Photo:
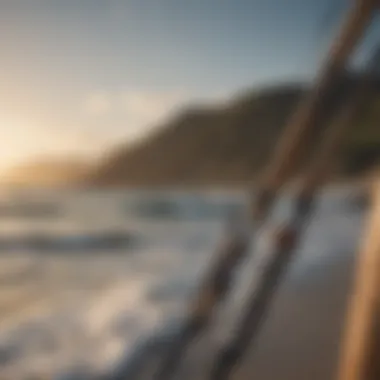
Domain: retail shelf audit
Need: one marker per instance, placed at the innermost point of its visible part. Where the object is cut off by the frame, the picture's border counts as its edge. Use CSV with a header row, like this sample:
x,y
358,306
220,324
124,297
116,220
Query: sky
x,y
79,76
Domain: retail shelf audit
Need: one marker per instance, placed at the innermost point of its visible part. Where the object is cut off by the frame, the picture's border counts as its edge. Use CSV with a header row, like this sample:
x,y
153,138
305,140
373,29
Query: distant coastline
x,y
216,147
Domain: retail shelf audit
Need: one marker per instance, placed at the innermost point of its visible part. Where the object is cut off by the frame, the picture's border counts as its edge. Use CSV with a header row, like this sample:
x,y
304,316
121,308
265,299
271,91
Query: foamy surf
x,y
97,314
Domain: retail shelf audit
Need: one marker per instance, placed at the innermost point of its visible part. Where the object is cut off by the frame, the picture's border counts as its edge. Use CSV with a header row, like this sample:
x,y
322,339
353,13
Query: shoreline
x,y
198,185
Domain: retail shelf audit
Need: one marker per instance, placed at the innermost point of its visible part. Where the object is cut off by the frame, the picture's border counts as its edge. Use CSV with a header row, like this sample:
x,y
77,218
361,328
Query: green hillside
x,y
231,144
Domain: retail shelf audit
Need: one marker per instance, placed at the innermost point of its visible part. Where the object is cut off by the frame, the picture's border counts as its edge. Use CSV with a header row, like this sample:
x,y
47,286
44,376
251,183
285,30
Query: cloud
x,y
125,116
148,109
98,103
130,114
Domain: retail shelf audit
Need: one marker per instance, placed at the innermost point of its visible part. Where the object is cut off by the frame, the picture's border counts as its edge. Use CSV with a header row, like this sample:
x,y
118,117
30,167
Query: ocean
x,y
83,313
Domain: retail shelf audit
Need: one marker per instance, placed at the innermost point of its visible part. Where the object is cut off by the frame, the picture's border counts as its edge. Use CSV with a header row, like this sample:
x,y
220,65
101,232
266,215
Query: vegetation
x,y
232,144
217,146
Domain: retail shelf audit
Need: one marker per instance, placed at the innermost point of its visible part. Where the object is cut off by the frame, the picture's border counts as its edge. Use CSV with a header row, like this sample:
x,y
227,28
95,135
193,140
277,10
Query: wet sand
x,y
300,339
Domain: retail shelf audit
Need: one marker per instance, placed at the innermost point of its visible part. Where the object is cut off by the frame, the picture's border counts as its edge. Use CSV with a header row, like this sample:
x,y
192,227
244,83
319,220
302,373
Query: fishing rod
x,y
216,284
286,238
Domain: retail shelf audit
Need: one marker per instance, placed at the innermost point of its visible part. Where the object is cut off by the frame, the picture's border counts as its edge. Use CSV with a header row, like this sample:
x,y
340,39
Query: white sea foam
x,y
61,311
